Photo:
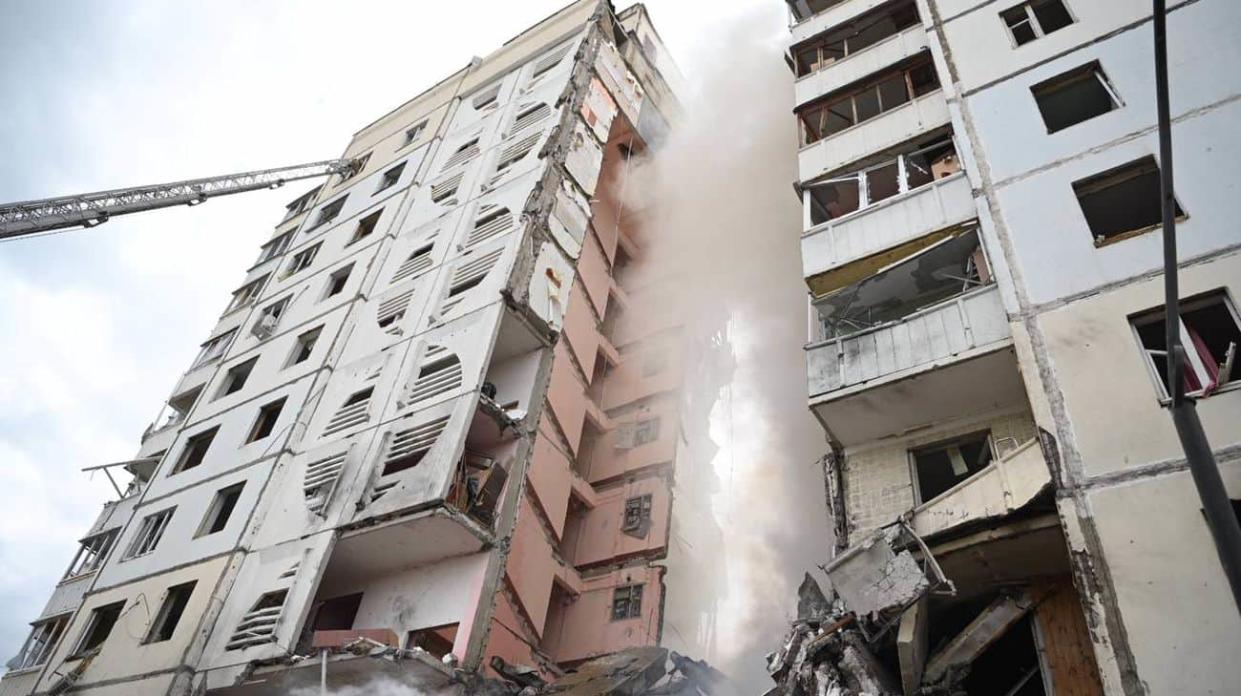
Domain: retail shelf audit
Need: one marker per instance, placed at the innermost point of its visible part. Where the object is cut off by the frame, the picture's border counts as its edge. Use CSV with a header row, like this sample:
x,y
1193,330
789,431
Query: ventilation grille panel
x,y
437,376
416,440
348,416
319,481
492,223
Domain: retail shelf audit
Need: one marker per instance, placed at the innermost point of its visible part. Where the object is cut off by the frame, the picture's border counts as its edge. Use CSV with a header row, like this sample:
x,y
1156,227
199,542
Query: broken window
x,y
236,377
1031,20
301,204
847,39
149,533
1210,333
1123,201
258,625
391,311
365,227
637,515
412,134
1075,96
274,248
329,212
436,641
170,611
836,113
304,346
336,282
831,198
44,635
943,465
937,272
246,294
91,554
195,449
627,602
266,420
1010,665
222,506
337,613
390,178
214,349
98,627
646,431
302,260
269,318
356,169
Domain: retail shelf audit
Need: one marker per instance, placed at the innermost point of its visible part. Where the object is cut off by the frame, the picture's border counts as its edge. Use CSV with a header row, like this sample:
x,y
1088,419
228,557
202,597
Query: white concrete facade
x,y
1129,517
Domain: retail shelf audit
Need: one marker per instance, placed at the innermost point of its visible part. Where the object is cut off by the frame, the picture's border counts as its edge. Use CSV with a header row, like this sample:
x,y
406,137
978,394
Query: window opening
x,y
337,281
831,198
92,552
329,212
214,349
170,612
1031,20
236,377
44,636
1210,331
1075,96
269,414
302,260
98,628
149,533
881,94
1122,202
637,515
365,227
627,602
412,134
195,450
222,506
305,346
391,177
944,465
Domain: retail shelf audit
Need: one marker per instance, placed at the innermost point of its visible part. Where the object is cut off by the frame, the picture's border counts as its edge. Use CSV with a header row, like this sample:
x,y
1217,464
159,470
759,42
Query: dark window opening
x,y
302,260
98,628
169,615
436,641
195,450
637,515
329,212
270,600
365,227
942,466
1122,201
221,509
412,134
1075,96
235,378
359,397
1031,20
1010,665
407,462
627,602
391,177
338,613
305,346
337,281
1211,334
266,421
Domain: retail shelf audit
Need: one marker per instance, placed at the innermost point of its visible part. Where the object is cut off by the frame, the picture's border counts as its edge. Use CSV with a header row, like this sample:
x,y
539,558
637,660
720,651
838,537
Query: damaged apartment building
x,y
981,244
426,424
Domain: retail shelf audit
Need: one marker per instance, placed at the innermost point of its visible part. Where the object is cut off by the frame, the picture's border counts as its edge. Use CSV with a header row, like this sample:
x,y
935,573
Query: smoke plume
x,y
720,222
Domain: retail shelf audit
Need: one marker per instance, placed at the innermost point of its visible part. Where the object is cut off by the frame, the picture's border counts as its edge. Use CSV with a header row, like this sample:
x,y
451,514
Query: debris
x,y
872,578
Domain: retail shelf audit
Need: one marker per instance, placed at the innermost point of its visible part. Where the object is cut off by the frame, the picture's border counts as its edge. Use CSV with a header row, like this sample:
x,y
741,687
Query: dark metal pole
x,y
1223,523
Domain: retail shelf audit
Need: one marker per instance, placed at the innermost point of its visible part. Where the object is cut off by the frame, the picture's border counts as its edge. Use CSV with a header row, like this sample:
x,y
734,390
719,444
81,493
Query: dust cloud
x,y
720,223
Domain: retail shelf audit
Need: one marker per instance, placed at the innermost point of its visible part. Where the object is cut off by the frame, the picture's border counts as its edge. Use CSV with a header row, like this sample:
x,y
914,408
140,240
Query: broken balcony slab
x,y
871,577
986,628
1009,553
1008,484
415,670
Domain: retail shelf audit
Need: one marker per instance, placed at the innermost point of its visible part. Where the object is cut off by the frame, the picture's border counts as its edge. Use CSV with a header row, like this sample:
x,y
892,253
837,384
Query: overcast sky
x,y
97,325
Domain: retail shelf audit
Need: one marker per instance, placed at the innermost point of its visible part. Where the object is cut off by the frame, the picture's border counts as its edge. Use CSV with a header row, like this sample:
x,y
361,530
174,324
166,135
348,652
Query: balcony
x,y
886,131
892,50
1004,486
954,356
888,225
834,14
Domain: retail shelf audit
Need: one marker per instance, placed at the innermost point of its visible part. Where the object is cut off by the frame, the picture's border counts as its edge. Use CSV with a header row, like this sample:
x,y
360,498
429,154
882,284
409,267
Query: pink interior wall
x,y
531,566
600,538
507,639
595,273
581,328
609,462
566,395
588,629
550,477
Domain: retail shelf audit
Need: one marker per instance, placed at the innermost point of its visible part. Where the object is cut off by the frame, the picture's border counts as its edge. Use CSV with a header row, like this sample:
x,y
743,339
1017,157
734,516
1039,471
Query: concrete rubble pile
x,y
647,671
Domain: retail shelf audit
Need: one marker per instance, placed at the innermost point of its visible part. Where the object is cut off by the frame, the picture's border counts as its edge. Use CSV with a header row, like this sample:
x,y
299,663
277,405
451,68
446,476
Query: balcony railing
x,y
949,330
937,205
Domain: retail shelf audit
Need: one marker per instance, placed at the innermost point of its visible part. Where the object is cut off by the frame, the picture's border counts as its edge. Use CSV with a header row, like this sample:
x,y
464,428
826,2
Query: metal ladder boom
x,y
90,209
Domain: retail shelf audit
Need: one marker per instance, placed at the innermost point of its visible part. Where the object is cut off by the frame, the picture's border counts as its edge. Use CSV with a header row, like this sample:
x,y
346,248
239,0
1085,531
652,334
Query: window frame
x,y
641,507
1032,20
632,596
253,290
165,610
59,625
207,354
264,410
385,182
211,516
210,435
302,260
299,344
1155,315
1114,176
414,132
872,85
230,384
851,29
92,622
329,211
943,444
145,537
1059,82
99,557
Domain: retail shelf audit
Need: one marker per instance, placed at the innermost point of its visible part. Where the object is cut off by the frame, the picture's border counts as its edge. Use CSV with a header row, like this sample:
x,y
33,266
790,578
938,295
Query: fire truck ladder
x,y
91,209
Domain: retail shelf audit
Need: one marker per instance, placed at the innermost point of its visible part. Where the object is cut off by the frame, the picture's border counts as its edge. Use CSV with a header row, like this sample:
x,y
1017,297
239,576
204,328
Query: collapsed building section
x,y
435,433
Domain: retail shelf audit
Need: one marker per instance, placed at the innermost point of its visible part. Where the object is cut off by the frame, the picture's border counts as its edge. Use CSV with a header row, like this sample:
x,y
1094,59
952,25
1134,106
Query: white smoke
x,y
721,223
